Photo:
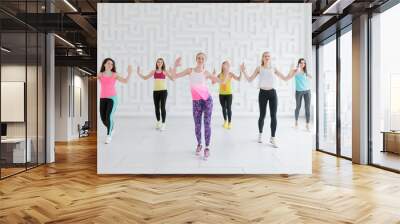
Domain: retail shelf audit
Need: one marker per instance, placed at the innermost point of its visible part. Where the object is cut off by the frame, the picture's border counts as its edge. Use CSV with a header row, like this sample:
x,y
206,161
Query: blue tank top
x,y
302,82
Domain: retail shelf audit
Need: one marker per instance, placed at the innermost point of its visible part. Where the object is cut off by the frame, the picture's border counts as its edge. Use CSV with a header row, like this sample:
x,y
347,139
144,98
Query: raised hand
x,y
130,69
178,62
171,73
138,71
242,67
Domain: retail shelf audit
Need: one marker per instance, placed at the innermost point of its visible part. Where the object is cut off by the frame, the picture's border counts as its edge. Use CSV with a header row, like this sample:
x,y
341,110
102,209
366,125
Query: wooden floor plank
x,y
70,191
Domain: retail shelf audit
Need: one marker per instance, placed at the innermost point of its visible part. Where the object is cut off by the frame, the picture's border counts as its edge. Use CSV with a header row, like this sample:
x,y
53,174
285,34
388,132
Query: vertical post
x,y
369,90
338,81
360,90
50,92
317,96
26,87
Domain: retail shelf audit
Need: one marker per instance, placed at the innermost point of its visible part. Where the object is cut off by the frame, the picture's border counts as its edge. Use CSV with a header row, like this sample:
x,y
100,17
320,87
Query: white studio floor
x,y
138,148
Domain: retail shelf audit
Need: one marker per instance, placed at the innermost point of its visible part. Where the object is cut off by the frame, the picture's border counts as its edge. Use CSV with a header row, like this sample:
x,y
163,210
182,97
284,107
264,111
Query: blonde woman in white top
x,y
267,81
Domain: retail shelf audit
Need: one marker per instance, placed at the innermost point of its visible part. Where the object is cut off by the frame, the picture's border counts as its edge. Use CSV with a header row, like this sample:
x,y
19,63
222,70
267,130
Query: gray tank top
x,y
267,79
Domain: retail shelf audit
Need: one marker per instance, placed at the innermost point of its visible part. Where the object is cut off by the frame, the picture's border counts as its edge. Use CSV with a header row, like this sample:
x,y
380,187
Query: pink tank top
x,y
159,75
107,86
159,81
198,86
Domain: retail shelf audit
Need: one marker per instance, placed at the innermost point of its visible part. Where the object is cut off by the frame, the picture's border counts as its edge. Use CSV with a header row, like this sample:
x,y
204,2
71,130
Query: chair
x,y
84,129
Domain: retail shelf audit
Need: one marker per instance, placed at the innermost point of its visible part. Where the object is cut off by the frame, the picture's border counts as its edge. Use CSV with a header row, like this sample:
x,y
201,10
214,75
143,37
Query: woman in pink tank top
x,y
202,100
160,92
108,95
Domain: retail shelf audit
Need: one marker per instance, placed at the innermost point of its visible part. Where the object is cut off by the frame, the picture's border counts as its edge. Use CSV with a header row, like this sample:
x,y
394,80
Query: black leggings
x,y
160,99
226,103
107,109
263,97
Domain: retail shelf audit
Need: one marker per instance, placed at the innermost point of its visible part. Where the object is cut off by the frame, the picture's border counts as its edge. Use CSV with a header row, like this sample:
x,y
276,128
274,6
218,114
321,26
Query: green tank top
x,y
302,82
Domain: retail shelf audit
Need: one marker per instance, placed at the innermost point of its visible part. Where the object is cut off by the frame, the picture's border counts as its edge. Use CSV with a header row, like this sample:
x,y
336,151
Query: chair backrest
x,y
86,125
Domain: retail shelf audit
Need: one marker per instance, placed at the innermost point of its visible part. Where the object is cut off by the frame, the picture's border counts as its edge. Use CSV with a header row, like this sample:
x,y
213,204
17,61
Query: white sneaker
x,y
260,138
273,142
308,127
108,139
158,125
162,128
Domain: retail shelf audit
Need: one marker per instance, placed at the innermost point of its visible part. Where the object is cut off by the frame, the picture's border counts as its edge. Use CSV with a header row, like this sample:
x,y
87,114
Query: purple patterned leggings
x,y
200,107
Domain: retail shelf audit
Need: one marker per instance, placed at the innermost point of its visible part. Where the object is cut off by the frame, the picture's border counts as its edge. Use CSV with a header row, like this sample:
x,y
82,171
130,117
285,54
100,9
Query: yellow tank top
x,y
159,81
225,88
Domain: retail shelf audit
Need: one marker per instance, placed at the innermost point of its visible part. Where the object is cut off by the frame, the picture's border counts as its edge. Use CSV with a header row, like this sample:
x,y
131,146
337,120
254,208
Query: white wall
x,y
79,117
139,33
68,82
61,104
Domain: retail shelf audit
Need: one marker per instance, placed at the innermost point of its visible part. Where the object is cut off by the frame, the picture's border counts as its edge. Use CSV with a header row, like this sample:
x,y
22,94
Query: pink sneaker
x,y
206,153
198,150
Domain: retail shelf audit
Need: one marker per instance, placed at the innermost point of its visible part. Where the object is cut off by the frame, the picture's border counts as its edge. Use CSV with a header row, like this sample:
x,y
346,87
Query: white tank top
x,y
267,78
197,78
198,86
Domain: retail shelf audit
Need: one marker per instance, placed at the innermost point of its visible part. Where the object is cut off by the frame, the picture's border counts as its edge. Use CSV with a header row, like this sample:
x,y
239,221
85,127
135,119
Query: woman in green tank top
x,y
302,81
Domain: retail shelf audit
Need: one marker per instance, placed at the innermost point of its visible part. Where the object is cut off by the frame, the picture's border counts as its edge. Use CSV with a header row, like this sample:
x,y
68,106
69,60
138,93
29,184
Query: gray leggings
x,y
307,101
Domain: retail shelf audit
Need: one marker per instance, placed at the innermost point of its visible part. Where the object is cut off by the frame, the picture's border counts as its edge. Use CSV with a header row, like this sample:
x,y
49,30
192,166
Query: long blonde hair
x,y
262,57
222,67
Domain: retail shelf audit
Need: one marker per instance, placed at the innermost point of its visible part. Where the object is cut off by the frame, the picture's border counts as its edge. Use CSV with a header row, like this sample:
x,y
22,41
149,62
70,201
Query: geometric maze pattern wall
x,y
137,34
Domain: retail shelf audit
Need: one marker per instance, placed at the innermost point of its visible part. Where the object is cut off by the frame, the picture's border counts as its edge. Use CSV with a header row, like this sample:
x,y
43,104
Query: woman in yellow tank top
x,y
160,92
225,92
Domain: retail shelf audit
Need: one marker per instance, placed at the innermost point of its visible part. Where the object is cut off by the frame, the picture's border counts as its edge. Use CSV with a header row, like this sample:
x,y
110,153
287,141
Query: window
x,y
346,94
385,89
23,77
327,96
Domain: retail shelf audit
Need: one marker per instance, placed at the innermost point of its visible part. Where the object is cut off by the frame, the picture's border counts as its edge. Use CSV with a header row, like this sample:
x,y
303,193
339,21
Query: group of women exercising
x,y
201,97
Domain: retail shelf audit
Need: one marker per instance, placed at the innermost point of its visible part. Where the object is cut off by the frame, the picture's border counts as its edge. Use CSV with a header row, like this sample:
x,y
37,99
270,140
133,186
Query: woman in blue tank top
x,y
302,81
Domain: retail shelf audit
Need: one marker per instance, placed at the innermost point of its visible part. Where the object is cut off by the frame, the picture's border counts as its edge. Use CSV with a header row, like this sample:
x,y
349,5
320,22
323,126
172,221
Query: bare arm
x,y
179,74
252,77
280,75
213,77
145,77
308,75
169,75
125,79
237,78
98,76
291,74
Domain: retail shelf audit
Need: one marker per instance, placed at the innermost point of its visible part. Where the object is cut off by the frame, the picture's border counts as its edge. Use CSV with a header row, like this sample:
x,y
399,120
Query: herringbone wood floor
x,y
70,191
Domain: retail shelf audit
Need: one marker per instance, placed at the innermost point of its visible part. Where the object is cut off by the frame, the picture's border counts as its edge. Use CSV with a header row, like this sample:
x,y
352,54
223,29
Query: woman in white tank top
x,y
267,84
202,100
